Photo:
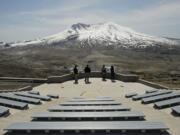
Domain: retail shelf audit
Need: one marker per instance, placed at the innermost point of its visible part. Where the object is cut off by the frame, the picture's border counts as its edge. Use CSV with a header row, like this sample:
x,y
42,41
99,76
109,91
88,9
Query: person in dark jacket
x,y
87,71
76,72
103,72
112,73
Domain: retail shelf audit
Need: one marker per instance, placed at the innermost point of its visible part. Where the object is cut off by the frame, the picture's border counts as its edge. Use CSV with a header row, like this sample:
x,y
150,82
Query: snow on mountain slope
x,y
101,34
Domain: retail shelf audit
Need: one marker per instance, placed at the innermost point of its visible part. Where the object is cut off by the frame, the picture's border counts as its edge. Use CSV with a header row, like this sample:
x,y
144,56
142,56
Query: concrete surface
x,y
97,88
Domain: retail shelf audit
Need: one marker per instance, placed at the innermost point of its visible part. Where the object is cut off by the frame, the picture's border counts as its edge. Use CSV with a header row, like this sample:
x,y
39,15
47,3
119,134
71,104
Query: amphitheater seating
x,y
25,94
98,116
3,111
89,126
176,110
19,98
59,108
160,97
138,97
13,104
167,103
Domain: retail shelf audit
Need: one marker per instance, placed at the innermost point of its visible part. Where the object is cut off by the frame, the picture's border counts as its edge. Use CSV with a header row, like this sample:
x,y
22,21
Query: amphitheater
x,y
126,106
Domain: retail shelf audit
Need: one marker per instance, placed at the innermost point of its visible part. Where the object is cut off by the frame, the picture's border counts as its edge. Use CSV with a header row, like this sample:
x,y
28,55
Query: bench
x,y
113,115
90,126
89,100
45,98
3,111
176,110
99,103
13,104
19,98
53,95
138,97
160,97
34,92
89,108
151,91
167,103
129,95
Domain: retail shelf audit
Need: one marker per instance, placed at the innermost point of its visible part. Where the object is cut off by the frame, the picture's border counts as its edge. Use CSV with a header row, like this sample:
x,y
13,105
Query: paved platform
x,y
97,88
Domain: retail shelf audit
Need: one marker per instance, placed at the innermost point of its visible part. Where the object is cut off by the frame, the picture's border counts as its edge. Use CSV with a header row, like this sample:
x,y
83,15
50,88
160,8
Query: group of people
x,y
104,73
87,71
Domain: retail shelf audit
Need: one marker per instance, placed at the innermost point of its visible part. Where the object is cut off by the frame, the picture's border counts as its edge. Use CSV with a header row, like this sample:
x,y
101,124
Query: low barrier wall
x,y
67,77
151,84
30,80
26,88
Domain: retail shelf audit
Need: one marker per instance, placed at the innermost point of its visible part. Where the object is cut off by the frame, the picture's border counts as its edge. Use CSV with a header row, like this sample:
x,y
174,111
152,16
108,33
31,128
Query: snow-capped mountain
x,y
104,34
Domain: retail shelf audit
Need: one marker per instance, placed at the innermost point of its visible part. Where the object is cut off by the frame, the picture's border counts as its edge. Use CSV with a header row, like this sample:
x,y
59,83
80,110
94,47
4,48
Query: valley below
x,y
161,67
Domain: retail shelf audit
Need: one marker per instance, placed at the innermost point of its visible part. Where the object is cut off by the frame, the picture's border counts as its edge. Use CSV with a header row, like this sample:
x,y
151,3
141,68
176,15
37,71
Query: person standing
x,y
112,73
76,74
103,72
87,71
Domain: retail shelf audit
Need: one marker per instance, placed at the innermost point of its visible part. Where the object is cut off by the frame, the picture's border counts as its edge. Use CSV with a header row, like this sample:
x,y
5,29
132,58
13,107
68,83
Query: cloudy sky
x,y
29,19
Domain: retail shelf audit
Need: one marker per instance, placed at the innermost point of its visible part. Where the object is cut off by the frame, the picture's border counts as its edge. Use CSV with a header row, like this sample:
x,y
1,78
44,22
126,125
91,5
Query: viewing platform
x,y
93,92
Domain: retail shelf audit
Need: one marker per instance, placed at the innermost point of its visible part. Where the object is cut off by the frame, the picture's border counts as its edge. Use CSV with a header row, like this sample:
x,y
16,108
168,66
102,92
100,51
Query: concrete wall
x,y
26,88
29,80
151,84
67,77
94,74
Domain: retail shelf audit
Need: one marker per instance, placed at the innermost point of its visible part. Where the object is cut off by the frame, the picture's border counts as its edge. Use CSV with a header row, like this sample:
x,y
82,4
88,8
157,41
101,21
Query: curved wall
x,y
67,77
